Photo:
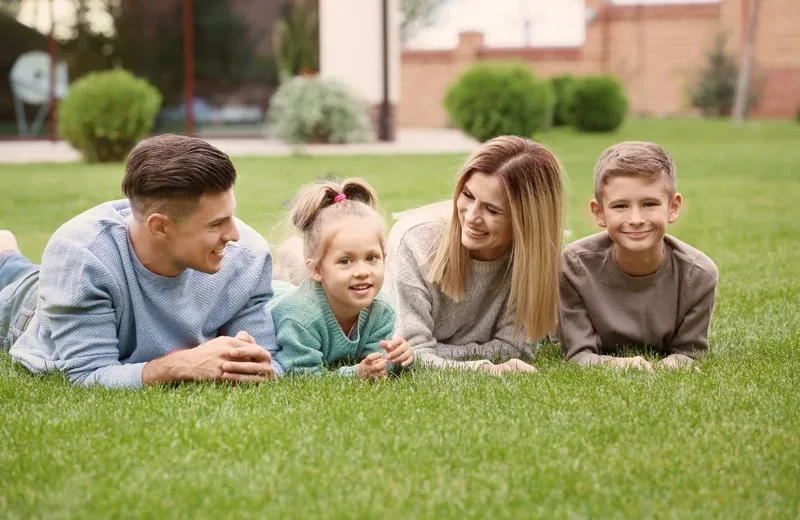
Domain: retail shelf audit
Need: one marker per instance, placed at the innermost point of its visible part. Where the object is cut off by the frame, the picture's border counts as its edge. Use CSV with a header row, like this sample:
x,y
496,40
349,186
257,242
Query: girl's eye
x,y
345,261
372,258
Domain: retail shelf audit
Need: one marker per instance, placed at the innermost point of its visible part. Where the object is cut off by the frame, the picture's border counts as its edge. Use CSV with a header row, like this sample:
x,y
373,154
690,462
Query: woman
x,y
483,283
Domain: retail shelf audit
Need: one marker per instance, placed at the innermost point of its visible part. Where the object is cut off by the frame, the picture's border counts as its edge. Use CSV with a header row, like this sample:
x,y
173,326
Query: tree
x,y
417,15
743,83
714,87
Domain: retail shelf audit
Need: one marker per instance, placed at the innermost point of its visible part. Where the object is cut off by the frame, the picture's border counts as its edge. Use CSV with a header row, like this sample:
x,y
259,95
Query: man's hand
x,y
398,351
221,359
372,367
512,365
625,363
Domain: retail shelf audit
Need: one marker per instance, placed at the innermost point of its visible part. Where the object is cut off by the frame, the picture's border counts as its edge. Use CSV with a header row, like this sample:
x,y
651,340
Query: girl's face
x,y
485,218
352,270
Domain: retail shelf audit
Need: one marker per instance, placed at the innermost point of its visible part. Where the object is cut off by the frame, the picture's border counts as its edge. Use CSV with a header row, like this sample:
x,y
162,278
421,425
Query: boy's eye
x,y
618,206
650,204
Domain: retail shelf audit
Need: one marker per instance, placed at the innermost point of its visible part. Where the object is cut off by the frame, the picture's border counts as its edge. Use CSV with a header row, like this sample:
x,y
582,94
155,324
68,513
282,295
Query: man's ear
x,y
313,270
597,210
158,224
675,208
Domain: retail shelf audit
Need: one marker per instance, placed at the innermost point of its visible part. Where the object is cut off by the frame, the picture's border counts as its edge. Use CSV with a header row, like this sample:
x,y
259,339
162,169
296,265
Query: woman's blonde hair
x,y
533,183
320,204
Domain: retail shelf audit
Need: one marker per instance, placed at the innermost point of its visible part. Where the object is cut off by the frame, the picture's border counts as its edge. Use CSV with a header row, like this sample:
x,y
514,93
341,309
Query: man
x,y
163,286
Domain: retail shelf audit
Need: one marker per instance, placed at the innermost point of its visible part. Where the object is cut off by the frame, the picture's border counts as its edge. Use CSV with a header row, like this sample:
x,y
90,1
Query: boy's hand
x,y
372,367
398,351
625,363
676,361
512,365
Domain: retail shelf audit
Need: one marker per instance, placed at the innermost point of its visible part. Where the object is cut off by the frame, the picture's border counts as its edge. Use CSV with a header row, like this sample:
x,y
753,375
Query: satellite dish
x,y
30,83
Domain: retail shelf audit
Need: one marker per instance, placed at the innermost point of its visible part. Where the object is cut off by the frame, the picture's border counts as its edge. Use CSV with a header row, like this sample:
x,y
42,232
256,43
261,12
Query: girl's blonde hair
x,y
323,203
533,183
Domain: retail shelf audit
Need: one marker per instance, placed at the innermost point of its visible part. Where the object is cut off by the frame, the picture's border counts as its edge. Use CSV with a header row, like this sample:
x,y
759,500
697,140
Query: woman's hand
x,y
512,365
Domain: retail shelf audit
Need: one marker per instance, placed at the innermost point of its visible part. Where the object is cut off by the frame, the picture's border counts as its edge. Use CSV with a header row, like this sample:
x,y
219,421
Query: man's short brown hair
x,y
169,173
636,159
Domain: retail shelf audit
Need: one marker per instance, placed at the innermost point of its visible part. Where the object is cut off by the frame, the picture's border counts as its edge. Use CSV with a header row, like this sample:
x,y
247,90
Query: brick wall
x,y
655,50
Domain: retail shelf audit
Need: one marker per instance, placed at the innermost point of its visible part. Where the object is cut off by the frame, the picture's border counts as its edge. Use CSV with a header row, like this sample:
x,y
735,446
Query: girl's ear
x,y
313,270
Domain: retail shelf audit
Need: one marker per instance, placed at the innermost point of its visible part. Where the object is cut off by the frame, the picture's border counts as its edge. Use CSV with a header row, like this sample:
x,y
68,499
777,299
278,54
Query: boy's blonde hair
x,y
636,159
533,184
316,207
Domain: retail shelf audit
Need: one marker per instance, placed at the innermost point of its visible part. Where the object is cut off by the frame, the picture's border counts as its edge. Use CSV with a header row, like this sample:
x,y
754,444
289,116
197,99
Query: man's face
x,y
636,211
198,240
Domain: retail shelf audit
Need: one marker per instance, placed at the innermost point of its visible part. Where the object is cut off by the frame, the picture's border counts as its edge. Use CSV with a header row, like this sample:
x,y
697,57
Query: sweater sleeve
x,y
76,302
299,348
691,336
254,317
579,340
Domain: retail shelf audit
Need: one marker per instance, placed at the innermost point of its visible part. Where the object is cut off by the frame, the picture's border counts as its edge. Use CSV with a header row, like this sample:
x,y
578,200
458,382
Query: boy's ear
x,y
157,224
313,271
675,208
597,211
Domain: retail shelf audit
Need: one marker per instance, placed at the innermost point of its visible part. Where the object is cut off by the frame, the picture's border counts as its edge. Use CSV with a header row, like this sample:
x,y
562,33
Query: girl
x,y
336,315
482,282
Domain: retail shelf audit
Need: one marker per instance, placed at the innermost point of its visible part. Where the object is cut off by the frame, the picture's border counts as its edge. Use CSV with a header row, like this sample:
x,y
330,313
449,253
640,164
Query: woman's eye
x,y
467,194
492,211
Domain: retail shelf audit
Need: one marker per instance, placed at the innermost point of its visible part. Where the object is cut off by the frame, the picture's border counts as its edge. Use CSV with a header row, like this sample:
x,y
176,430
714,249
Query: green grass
x,y
720,442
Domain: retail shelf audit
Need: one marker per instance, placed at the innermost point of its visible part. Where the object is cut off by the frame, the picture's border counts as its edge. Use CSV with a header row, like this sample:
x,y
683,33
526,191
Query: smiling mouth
x,y
220,251
637,234
362,287
475,233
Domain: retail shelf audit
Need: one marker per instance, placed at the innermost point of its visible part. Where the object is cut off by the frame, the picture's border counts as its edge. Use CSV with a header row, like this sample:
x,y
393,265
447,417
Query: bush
x,y
316,110
714,88
797,115
106,113
596,104
487,101
561,87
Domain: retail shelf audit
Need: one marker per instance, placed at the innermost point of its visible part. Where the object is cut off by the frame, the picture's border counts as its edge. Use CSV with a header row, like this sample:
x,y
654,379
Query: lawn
x,y
720,442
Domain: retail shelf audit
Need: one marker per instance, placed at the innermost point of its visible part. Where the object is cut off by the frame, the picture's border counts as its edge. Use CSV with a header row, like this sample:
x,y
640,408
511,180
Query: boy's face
x,y
636,211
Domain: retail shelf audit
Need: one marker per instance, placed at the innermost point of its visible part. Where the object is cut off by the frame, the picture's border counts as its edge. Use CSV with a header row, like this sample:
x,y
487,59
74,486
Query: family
x,y
167,285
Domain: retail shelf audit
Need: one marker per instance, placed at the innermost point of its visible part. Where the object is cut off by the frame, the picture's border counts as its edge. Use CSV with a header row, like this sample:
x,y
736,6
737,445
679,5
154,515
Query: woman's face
x,y
485,217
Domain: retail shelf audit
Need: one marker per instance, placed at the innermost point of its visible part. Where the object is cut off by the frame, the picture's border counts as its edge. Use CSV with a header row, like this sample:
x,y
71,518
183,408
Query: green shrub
x,y
561,87
797,115
106,113
316,110
487,101
596,104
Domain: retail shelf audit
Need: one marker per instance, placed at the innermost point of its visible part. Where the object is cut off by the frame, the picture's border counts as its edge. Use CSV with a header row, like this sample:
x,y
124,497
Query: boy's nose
x,y
636,217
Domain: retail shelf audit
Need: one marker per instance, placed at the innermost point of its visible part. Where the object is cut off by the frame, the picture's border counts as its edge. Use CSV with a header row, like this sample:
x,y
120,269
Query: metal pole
x,y
188,63
383,130
53,56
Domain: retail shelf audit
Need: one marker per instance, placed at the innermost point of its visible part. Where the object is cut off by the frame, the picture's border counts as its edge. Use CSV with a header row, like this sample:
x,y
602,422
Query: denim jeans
x,y
19,290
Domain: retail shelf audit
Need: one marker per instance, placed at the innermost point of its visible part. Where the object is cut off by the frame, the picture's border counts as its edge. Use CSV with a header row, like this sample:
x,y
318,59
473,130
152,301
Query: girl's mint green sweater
x,y
309,337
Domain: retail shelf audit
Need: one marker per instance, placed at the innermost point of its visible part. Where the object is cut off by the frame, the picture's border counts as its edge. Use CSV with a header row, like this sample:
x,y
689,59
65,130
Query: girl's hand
x,y
372,367
399,351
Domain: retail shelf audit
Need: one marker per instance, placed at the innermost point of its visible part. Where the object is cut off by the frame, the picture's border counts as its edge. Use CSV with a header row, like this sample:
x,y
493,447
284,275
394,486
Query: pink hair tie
x,y
339,198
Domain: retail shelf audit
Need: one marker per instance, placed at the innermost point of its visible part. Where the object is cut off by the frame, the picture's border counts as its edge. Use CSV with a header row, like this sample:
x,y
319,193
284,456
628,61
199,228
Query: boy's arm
x,y
579,340
691,336
254,318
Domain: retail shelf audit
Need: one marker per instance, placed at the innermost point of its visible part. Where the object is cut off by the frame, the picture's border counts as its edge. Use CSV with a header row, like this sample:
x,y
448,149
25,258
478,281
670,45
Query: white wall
x,y
351,46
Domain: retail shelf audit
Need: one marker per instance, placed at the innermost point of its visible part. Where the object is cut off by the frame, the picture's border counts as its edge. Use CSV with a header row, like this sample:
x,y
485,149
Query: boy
x,y
634,285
